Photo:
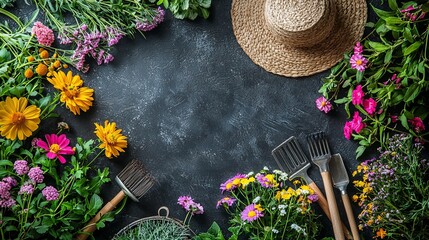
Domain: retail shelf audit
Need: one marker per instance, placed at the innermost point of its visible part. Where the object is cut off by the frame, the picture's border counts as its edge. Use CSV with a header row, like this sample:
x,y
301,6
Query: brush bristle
x,y
136,179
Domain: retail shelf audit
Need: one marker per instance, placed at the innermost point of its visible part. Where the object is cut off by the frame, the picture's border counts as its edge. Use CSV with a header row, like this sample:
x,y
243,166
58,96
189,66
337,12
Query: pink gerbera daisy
x,y
252,213
358,62
56,146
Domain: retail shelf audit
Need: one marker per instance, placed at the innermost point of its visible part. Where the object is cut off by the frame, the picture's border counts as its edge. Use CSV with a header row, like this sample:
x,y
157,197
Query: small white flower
x,y
282,206
295,227
282,212
250,174
298,209
305,192
256,200
266,168
275,230
273,208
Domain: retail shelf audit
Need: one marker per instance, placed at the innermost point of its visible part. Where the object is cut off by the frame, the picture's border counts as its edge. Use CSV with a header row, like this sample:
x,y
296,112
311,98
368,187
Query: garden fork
x,y
320,155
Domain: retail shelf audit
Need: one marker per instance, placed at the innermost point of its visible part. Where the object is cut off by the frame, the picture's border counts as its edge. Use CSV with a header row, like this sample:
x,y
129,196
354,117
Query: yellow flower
x,y
246,181
355,198
57,64
305,189
271,180
285,194
111,139
30,58
44,54
354,173
73,94
296,182
381,233
258,207
18,120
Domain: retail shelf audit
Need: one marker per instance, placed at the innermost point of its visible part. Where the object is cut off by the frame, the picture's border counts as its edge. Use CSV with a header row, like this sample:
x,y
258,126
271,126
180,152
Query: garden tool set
x,y
292,160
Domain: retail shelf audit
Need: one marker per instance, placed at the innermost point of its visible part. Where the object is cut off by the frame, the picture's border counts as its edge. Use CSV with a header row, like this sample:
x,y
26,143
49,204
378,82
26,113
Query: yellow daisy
x,y
73,94
17,120
112,141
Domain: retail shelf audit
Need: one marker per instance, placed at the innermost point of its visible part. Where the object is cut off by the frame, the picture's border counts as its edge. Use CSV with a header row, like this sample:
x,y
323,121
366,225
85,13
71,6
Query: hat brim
x,y
277,57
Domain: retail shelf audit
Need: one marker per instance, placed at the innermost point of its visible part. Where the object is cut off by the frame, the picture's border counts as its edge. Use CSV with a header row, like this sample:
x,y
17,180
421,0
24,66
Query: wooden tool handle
x,y
333,208
90,226
350,216
323,203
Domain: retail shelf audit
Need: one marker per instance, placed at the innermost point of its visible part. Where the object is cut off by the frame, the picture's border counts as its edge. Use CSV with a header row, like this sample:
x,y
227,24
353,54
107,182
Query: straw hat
x,y
297,38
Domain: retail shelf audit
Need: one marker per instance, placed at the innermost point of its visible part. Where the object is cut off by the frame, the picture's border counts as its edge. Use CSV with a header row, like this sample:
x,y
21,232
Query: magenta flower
x,y
20,167
369,105
358,62
4,190
408,9
232,183
358,49
26,189
227,200
185,202
36,175
313,197
348,130
357,95
50,193
252,213
45,36
417,124
357,124
56,146
323,104
7,203
394,118
149,24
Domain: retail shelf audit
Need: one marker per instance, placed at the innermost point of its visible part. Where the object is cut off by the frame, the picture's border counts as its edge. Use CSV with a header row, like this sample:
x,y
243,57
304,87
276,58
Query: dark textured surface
x,y
197,111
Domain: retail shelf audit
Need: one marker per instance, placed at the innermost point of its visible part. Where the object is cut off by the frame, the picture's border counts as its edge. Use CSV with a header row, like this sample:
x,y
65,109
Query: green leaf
x,y
425,7
421,67
412,92
388,56
404,121
382,14
408,35
4,55
6,163
205,3
342,100
379,47
393,5
185,5
42,229
359,151
359,76
412,48
394,21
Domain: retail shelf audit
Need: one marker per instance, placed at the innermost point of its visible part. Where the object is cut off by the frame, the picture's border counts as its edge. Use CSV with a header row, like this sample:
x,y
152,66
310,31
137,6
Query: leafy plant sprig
x,y
189,9
395,76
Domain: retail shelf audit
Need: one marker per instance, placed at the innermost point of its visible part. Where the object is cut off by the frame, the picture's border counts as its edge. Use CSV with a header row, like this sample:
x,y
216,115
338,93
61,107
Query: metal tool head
x,y
291,159
338,170
319,150
135,180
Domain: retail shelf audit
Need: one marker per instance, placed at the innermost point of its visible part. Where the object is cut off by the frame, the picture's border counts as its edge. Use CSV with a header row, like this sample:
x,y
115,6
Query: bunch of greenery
x,y
391,74
264,206
78,184
189,9
153,229
394,190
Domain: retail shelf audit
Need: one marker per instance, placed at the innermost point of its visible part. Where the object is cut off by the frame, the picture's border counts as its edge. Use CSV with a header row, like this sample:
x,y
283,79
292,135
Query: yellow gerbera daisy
x,y
18,120
112,141
73,94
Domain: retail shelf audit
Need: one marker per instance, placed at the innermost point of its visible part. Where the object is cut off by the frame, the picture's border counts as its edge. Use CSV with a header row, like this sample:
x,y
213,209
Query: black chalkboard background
x,y
197,111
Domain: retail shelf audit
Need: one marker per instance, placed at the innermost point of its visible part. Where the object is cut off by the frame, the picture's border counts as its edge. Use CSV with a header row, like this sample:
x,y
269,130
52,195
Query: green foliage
x,y
78,184
394,190
189,9
6,3
398,44
213,233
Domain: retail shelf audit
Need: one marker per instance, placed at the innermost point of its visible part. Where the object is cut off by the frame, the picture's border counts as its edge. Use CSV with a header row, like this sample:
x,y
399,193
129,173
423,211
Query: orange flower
x,y
30,58
42,69
44,54
28,73
112,140
381,233
57,64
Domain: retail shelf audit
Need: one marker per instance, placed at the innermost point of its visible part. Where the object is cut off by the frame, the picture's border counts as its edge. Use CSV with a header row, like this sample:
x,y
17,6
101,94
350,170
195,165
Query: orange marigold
x,y
30,58
42,69
28,73
44,54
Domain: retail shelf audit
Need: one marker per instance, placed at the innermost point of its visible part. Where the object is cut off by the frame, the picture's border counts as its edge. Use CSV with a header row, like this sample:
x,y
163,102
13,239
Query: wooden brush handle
x,y
350,216
333,208
323,203
90,226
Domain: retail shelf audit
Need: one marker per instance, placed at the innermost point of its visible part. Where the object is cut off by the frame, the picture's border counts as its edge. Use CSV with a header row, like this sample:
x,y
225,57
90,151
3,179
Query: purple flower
x,y
20,167
323,104
313,197
36,175
7,203
185,202
228,200
4,190
251,213
10,180
50,193
358,95
26,189
146,25
358,62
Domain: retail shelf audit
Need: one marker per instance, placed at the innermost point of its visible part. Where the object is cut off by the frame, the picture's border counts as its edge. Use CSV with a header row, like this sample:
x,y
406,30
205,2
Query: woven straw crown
x,y
297,37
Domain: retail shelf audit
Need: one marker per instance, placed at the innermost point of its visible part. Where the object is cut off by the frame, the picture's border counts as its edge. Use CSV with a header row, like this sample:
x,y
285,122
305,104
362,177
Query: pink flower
x,y
50,193
252,213
232,183
56,146
408,9
10,180
196,209
358,49
348,130
357,95
313,197
323,104
417,124
26,189
358,62
357,124
44,35
394,118
228,200
185,202
20,167
370,105
36,175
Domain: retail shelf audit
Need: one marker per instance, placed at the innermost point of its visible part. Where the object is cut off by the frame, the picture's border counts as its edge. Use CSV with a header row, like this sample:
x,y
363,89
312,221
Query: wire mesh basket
x,y
160,227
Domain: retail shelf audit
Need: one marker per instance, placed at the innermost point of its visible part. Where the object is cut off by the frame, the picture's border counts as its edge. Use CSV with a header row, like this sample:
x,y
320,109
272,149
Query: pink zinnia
x,y
228,200
357,95
50,193
358,49
323,104
348,130
252,213
370,105
56,146
417,124
358,62
44,35
357,124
